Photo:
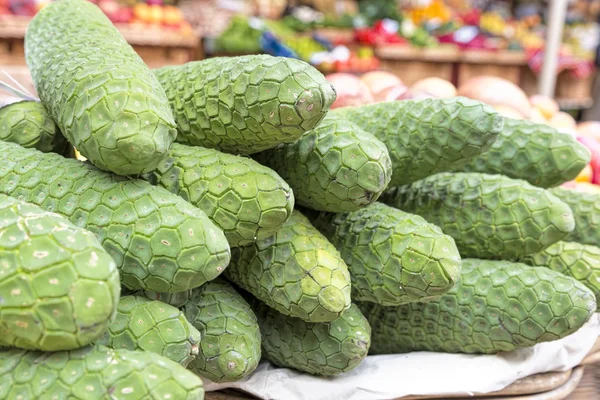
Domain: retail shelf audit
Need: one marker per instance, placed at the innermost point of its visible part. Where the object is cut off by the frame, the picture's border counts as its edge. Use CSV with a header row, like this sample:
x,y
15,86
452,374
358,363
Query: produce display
x,y
247,220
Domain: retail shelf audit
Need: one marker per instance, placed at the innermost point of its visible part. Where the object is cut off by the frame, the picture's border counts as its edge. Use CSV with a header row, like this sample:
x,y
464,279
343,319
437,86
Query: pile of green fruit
x,y
225,215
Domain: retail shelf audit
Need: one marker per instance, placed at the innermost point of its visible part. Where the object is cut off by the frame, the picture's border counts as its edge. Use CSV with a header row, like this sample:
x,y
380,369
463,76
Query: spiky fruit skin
x,y
94,372
579,261
231,340
489,216
243,105
393,257
246,200
496,306
28,123
586,210
323,348
159,241
296,271
537,153
335,167
59,287
427,136
154,326
103,97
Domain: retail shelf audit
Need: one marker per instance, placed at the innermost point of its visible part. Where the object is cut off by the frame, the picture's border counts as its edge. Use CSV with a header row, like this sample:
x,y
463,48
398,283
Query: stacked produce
x,y
384,228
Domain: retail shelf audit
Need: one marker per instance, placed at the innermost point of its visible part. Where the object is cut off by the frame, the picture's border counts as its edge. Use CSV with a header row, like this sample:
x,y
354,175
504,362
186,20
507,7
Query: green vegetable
x,y
533,152
159,241
428,136
94,372
102,96
154,326
246,104
231,340
489,216
336,167
497,306
586,210
28,123
579,261
326,348
393,257
58,287
246,200
296,271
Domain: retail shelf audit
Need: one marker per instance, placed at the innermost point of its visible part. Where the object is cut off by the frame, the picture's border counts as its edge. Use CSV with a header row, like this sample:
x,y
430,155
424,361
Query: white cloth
x,y
421,373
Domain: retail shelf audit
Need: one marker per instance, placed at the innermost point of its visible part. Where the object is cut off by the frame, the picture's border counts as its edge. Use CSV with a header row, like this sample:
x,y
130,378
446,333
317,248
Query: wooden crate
x,y
503,64
412,64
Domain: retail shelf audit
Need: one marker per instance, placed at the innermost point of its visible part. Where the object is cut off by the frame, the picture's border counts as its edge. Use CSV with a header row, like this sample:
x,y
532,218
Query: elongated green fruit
x,y
177,299
28,123
246,104
154,326
533,152
58,287
296,271
102,96
428,136
335,167
489,216
497,306
230,347
94,372
579,261
159,241
246,200
586,210
324,348
393,257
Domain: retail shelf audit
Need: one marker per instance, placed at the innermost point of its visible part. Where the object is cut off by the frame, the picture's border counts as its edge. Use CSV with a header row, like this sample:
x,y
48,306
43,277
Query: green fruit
x,y
58,287
246,200
393,257
154,326
335,167
489,216
325,348
102,96
586,210
159,241
28,123
497,306
246,104
296,271
94,372
177,299
230,347
579,261
533,152
428,136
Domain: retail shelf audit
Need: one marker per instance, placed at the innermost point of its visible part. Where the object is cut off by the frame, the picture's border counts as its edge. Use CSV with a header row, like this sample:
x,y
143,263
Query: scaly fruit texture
x,y
579,261
102,96
586,210
159,241
177,299
28,123
94,372
59,287
231,340
533,152
489,216
428,136
323,348
496,306
296,271
393,257
154,326
243,105
246,200
335,167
